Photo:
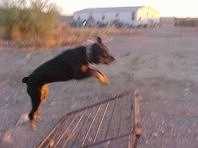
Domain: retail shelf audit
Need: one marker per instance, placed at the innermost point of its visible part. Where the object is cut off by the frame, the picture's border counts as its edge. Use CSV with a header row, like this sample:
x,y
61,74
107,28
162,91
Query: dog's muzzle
x,y
108,60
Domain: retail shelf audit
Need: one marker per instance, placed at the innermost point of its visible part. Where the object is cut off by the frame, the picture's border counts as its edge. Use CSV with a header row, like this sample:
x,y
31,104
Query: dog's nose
x,y
112,58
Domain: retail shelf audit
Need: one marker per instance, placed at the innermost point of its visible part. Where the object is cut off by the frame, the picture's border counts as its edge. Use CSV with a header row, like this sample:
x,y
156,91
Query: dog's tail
x,y
25,79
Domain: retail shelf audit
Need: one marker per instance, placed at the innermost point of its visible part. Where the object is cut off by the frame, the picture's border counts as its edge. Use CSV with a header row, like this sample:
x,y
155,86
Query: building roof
x,y
110,9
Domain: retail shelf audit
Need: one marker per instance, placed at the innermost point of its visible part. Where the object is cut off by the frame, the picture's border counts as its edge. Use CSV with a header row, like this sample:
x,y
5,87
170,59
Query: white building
x,y
125,16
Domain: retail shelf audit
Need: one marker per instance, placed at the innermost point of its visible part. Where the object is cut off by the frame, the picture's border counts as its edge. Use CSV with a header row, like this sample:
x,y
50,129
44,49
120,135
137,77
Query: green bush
x,y
27,20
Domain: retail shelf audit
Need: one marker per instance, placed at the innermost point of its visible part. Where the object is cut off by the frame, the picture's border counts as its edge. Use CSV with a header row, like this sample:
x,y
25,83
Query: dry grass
x,y
63,35
66,35
188,22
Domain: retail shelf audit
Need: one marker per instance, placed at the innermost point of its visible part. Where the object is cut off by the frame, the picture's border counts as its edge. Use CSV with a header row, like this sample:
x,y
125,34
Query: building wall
x,y
148,15
133,17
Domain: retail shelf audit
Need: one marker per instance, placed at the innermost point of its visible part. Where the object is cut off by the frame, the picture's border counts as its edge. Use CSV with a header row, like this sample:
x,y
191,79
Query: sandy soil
x,y
162,62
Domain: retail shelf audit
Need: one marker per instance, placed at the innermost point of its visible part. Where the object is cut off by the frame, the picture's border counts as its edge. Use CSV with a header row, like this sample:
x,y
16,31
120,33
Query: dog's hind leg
x,y
44,93
35,95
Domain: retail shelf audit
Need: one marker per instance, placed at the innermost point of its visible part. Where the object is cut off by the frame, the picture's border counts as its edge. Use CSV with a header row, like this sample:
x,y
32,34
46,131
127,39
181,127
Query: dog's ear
x,y
99,40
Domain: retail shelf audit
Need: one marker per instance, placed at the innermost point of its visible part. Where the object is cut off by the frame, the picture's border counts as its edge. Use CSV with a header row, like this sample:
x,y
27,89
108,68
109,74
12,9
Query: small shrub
x,y
27,22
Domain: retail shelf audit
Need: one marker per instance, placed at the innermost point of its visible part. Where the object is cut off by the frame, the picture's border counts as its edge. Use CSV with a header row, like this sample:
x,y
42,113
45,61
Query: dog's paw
x,y
33,125
37,118
103,78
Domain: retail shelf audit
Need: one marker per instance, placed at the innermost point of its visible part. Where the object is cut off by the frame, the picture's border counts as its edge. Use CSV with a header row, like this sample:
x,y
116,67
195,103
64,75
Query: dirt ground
x,y
161,62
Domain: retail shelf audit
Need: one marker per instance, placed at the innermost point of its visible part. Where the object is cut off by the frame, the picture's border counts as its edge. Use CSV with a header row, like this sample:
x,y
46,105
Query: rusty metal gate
x,y
114,123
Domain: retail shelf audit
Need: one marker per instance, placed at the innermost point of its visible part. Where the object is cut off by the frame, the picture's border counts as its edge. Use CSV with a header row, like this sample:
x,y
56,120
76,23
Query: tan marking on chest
x,y
84,68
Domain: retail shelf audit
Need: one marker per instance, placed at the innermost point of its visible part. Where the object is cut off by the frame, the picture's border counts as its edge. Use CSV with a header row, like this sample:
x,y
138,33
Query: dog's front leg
x,y
86,71
100,76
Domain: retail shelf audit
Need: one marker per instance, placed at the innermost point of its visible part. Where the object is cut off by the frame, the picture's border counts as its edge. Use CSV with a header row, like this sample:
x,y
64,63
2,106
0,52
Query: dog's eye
x,y
105,54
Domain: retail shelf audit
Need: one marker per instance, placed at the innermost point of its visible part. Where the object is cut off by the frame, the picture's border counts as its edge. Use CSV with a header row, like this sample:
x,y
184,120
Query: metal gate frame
x,y
114,122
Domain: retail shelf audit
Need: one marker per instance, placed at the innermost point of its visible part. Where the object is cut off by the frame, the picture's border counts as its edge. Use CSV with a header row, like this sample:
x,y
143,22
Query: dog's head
x,y
98,53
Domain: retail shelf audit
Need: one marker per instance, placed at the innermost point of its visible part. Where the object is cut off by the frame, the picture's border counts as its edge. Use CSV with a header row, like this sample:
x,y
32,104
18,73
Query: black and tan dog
x,y
71,64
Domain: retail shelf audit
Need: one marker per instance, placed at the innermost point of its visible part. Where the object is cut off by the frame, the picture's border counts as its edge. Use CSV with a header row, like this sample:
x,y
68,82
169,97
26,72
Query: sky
x,y
175,8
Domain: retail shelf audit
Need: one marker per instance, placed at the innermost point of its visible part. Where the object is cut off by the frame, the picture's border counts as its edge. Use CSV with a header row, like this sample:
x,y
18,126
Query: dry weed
x,y
64,35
